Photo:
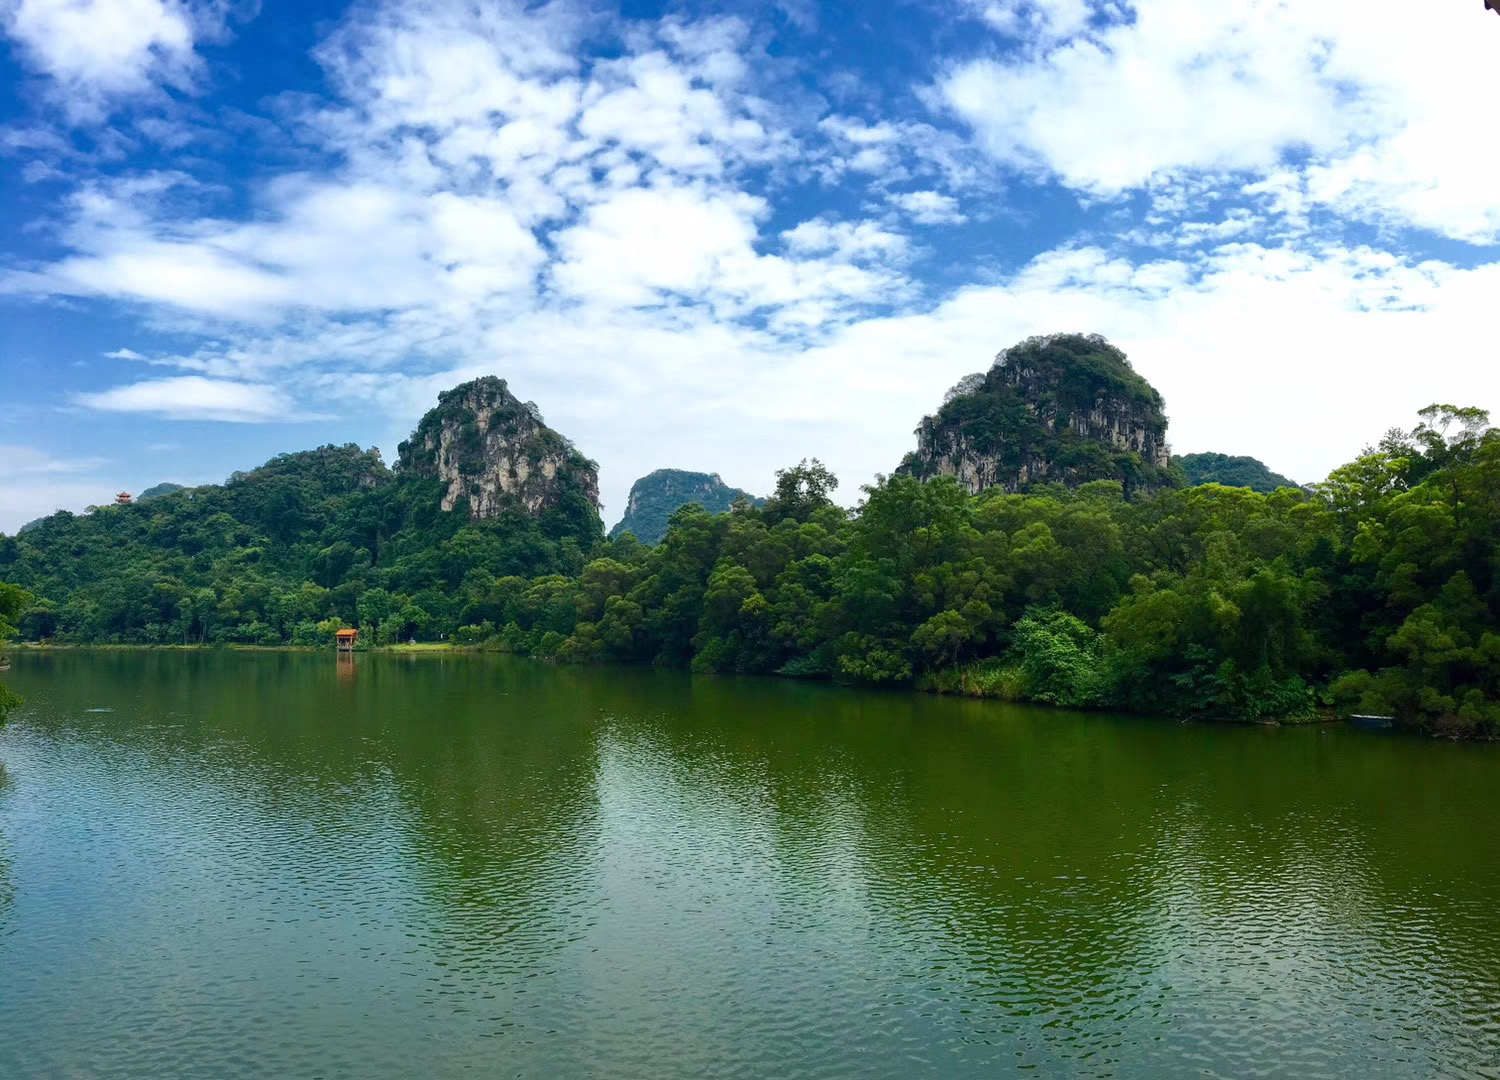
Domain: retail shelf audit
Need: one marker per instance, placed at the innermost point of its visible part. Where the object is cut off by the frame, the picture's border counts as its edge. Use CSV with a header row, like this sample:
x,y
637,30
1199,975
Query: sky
x,y
727,236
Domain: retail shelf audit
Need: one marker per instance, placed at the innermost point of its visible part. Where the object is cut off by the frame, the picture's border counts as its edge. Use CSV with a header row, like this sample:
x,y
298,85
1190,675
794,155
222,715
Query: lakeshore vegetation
x,y
1376,591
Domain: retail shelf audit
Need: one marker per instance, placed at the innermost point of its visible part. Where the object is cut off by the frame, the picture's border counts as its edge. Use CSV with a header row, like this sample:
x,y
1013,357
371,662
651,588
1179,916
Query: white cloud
x,y
1033,19
641,242
490,174
929,207
649,104
1184,85
1296,357
193,397
1381,110
849,240
650,235
95,51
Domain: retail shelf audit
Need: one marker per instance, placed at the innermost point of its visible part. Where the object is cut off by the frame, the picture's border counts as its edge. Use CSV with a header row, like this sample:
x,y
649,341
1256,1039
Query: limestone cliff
x,y
655,496
1065,408
493,452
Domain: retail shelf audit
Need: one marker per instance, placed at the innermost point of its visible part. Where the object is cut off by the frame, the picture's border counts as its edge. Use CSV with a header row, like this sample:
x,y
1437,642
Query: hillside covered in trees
x,y
1230,471
310,541
655,496
1377,591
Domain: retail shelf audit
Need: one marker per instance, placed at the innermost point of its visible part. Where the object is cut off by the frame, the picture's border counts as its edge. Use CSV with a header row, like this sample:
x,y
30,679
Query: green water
x,y
277,865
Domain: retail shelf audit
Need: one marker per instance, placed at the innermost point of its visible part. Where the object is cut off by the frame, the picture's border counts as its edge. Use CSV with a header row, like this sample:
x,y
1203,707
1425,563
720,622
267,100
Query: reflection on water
x,y
7,890
284,864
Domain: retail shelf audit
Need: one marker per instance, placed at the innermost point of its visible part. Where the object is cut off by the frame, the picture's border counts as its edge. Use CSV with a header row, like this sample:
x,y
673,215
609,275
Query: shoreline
x,y
434,647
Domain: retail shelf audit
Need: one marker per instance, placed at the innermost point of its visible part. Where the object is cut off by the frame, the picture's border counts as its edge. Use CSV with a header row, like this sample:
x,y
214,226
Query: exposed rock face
x,y
655,496
493,452
1064,408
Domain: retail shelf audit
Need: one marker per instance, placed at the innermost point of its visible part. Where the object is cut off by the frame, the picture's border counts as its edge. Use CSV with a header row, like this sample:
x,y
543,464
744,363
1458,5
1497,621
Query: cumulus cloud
x,y
1295,356
94,52
929,207
1030,20
1354,104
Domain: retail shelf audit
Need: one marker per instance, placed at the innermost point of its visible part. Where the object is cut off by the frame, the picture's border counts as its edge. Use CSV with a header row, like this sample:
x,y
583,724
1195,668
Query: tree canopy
x,y
13,601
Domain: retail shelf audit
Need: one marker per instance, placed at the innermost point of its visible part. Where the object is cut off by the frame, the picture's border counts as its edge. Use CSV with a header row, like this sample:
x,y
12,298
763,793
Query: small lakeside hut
x,y
346,638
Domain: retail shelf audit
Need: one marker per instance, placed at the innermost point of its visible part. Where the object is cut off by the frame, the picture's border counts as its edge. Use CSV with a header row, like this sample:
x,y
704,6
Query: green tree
x,y
374,608
14,601
1060,657
801,491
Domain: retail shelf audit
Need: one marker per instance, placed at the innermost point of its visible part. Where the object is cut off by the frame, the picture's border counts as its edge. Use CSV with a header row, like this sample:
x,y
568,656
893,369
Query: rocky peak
x,y
494,451
1064,408
655,496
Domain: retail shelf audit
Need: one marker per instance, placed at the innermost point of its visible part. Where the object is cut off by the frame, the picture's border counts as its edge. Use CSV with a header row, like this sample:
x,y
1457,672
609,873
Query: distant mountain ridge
x,y
657,495
1231,471
164,488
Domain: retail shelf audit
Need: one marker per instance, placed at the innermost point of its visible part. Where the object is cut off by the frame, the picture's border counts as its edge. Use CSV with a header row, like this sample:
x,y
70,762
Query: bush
x,y
474,634
1059,657
864,658
991,678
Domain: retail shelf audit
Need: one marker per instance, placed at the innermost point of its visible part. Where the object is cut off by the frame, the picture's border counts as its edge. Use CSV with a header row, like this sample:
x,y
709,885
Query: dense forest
x,y
1376,591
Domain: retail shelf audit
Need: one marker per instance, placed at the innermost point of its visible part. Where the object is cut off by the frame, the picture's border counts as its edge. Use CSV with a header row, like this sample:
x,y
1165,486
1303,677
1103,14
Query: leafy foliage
x,y
13,601
271,557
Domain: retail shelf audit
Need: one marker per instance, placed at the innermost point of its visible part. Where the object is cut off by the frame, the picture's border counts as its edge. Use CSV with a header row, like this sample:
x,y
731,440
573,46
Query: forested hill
x,y
657,495
159,489
1245,472
286,552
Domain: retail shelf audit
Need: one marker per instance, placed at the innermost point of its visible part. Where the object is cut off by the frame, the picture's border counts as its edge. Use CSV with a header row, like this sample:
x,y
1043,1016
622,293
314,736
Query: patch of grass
x,y
992,678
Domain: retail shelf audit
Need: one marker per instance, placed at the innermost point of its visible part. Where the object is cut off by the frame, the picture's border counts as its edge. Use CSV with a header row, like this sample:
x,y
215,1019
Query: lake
x,y
239,864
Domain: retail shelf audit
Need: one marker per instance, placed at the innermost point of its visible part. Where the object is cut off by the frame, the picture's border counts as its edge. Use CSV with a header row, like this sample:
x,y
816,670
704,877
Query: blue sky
x,y
726,236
